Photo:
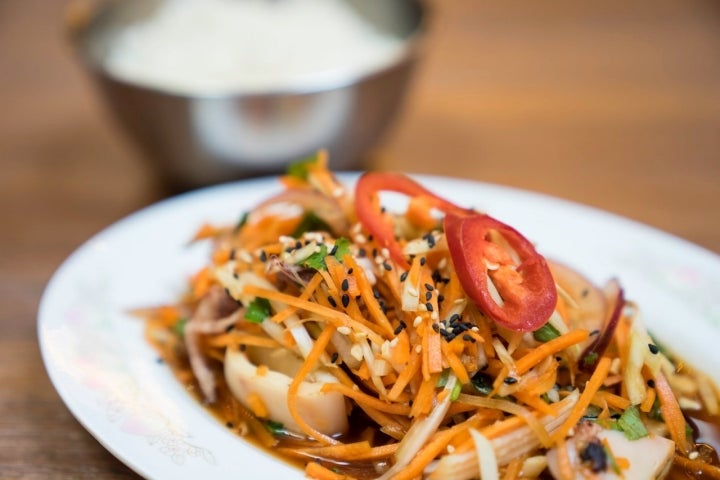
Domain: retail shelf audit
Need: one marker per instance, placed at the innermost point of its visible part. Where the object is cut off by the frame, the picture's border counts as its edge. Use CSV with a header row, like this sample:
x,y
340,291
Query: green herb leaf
x,y
442,381
546,333
276,428
310,223
179,327
300,169
316,260
243,220
258,310
631,424
342,248
590,359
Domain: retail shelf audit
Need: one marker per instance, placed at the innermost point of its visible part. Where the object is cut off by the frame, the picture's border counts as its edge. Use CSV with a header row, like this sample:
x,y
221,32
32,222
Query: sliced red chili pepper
x,y
527,290
370,214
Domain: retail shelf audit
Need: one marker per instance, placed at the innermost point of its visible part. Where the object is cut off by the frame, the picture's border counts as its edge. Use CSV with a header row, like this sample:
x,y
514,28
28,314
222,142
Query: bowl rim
x,y
80,17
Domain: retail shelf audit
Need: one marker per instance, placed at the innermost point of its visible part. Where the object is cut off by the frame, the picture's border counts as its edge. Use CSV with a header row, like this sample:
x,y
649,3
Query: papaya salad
x,y
433,342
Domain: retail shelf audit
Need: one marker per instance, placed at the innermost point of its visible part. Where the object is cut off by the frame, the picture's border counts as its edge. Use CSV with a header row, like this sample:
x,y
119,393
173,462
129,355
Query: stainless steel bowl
x,y
201,139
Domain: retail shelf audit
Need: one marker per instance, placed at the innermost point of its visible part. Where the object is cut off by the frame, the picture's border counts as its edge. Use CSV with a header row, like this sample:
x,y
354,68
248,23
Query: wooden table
x,y
613,105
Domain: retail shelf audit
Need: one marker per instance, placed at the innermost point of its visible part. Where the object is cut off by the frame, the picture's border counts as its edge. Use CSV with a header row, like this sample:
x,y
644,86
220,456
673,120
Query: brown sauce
x,y
706,434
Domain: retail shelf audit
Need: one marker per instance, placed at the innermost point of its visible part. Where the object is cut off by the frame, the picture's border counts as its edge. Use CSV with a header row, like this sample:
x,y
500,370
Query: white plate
x,y
109,378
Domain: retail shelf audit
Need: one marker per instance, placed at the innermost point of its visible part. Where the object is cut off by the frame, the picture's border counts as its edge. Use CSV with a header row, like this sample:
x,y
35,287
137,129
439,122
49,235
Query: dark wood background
x,y
612,104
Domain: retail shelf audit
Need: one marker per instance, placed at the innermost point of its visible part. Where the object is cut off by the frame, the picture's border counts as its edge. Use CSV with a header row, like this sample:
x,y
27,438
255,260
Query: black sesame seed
x,y
374,252
468,338
334,357
243,347
345,285
333,250
651,383
370,238
653,348
510,380
403,276
350,271
428,295
332,301
429,307
362,252
263,256
376,293
345,300
436,327
229,425
422,261
455,317
387,266
441,298
429,287
288,249
159,360
400,328
298,244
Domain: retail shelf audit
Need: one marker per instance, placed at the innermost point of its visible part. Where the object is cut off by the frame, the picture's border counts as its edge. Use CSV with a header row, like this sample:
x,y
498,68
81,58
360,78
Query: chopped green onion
x,y
631,424
546,333
457,388
258,310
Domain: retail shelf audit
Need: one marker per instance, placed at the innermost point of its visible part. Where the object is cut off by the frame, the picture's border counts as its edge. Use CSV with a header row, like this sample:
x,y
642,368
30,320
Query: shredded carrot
x,y
308,365
413,365
316,471
647,404
612,400
564,464
671,413
591,387
423,401
428,453
365,399
555,345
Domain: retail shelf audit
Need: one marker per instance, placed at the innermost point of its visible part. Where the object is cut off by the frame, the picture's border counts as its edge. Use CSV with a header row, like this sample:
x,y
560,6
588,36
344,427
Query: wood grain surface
x,y
611,104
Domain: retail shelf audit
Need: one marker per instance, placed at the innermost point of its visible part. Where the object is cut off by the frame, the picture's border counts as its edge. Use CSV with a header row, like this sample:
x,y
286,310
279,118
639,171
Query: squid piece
x,y
324,411
647,458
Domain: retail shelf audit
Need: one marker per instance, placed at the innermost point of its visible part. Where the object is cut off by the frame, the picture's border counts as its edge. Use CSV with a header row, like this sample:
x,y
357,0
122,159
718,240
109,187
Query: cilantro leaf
x,y
317,259
258,310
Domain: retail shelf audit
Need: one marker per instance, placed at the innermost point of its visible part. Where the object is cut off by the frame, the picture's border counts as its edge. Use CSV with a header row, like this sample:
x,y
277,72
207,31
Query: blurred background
x,y
612,104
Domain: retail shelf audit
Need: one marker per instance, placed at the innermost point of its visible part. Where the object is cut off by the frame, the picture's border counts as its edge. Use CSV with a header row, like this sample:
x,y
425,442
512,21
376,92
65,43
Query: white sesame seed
x,y
418,348
417,321
344,330
693,455
442,263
